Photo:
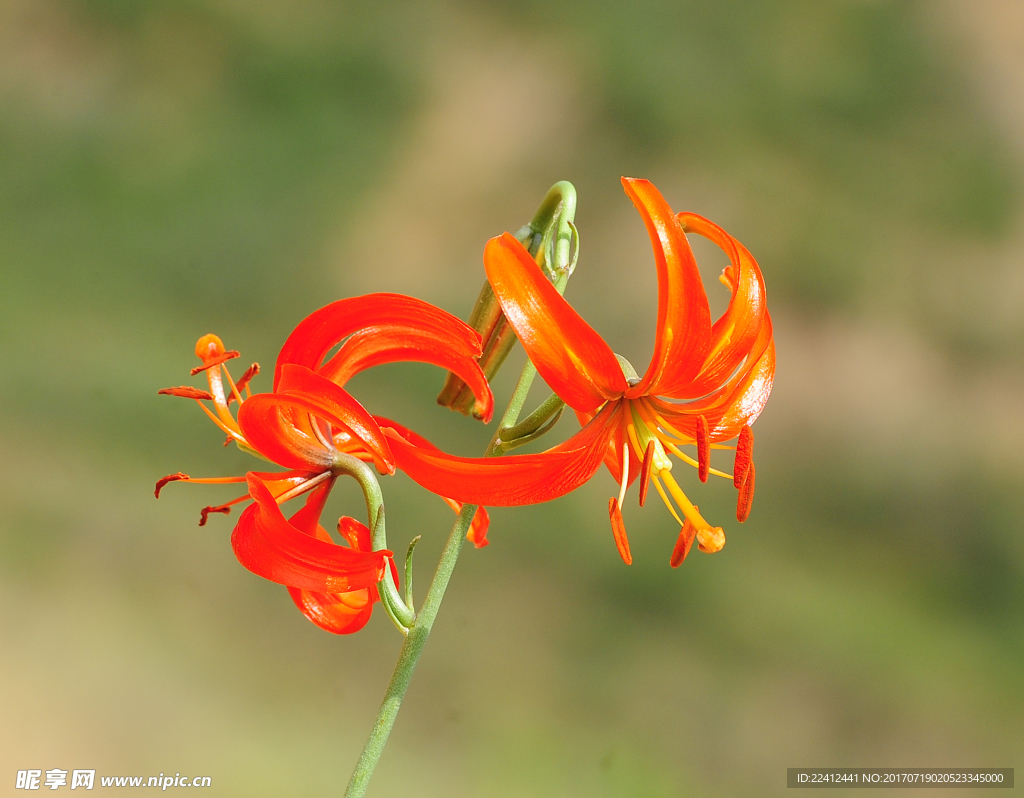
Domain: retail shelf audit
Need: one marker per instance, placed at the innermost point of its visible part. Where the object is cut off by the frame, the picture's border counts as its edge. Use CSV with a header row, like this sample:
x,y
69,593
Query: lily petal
x,y
515,479
734,335
340,613
683,336
726,414
269,546
321,330
571,357
478,527
265,426
374,346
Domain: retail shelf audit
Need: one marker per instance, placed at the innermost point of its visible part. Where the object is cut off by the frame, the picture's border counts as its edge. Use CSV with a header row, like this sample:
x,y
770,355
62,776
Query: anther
x,y
215,361
686,537
619,530
250,372
744,456
169,478
703,448
204,514
645,471
746,497
186,392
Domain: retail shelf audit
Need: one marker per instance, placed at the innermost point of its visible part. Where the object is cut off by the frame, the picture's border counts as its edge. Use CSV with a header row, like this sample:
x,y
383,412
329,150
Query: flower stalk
x,y
552,232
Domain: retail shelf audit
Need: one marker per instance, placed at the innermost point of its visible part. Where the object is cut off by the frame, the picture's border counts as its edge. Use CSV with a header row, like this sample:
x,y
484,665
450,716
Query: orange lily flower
x,y
306,423
705,383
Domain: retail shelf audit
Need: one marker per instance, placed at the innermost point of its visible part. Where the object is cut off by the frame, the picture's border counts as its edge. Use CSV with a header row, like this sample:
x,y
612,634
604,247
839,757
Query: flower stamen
x,y
703,448
683,544
645,472
619,530
744,456
746,497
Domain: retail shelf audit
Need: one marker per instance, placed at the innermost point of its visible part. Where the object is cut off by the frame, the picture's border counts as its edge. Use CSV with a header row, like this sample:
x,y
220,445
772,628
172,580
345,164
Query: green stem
x,y
424,622
558,260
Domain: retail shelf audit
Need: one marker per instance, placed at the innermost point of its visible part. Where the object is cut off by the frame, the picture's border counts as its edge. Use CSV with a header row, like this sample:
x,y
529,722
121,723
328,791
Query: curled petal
x,y
735,336
477,534
516,479
731,408
318,333
271,547
271,429
683,334
571,357
374,346
339,613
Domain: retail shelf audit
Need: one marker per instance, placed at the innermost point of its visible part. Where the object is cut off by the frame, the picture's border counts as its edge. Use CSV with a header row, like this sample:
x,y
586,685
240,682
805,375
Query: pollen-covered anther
x,y
204,514
250,372
169,478
186,392
703,448
744,456
746,497
619,530
711,539
215,361
645,471
683,544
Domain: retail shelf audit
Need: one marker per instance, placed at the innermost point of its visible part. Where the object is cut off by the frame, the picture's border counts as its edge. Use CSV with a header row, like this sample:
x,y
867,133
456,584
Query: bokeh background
x,y
169,169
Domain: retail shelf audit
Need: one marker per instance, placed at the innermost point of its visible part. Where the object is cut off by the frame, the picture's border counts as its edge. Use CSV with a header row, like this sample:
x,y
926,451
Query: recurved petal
x,y
683,335
321,330
374,346
512,480
735,334
477,534
339,613
571,357
269,546
729,412
267,425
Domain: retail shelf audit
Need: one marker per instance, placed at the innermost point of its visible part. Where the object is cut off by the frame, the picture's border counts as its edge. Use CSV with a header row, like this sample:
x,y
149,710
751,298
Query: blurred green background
x,y
169,169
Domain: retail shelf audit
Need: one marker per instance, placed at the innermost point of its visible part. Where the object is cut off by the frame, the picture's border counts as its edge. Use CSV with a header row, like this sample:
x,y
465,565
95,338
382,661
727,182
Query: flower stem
x,y
424,621
553,223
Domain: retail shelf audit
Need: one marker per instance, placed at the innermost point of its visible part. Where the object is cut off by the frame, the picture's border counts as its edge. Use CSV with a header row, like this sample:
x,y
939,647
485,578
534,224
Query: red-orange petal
x,y
746,495
683,544
683,335
186,392
271,547
319,332
477,534
744,453
735,336
375,346
265,422
338,613
516,479
571,357
703,448
619,530
729,410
